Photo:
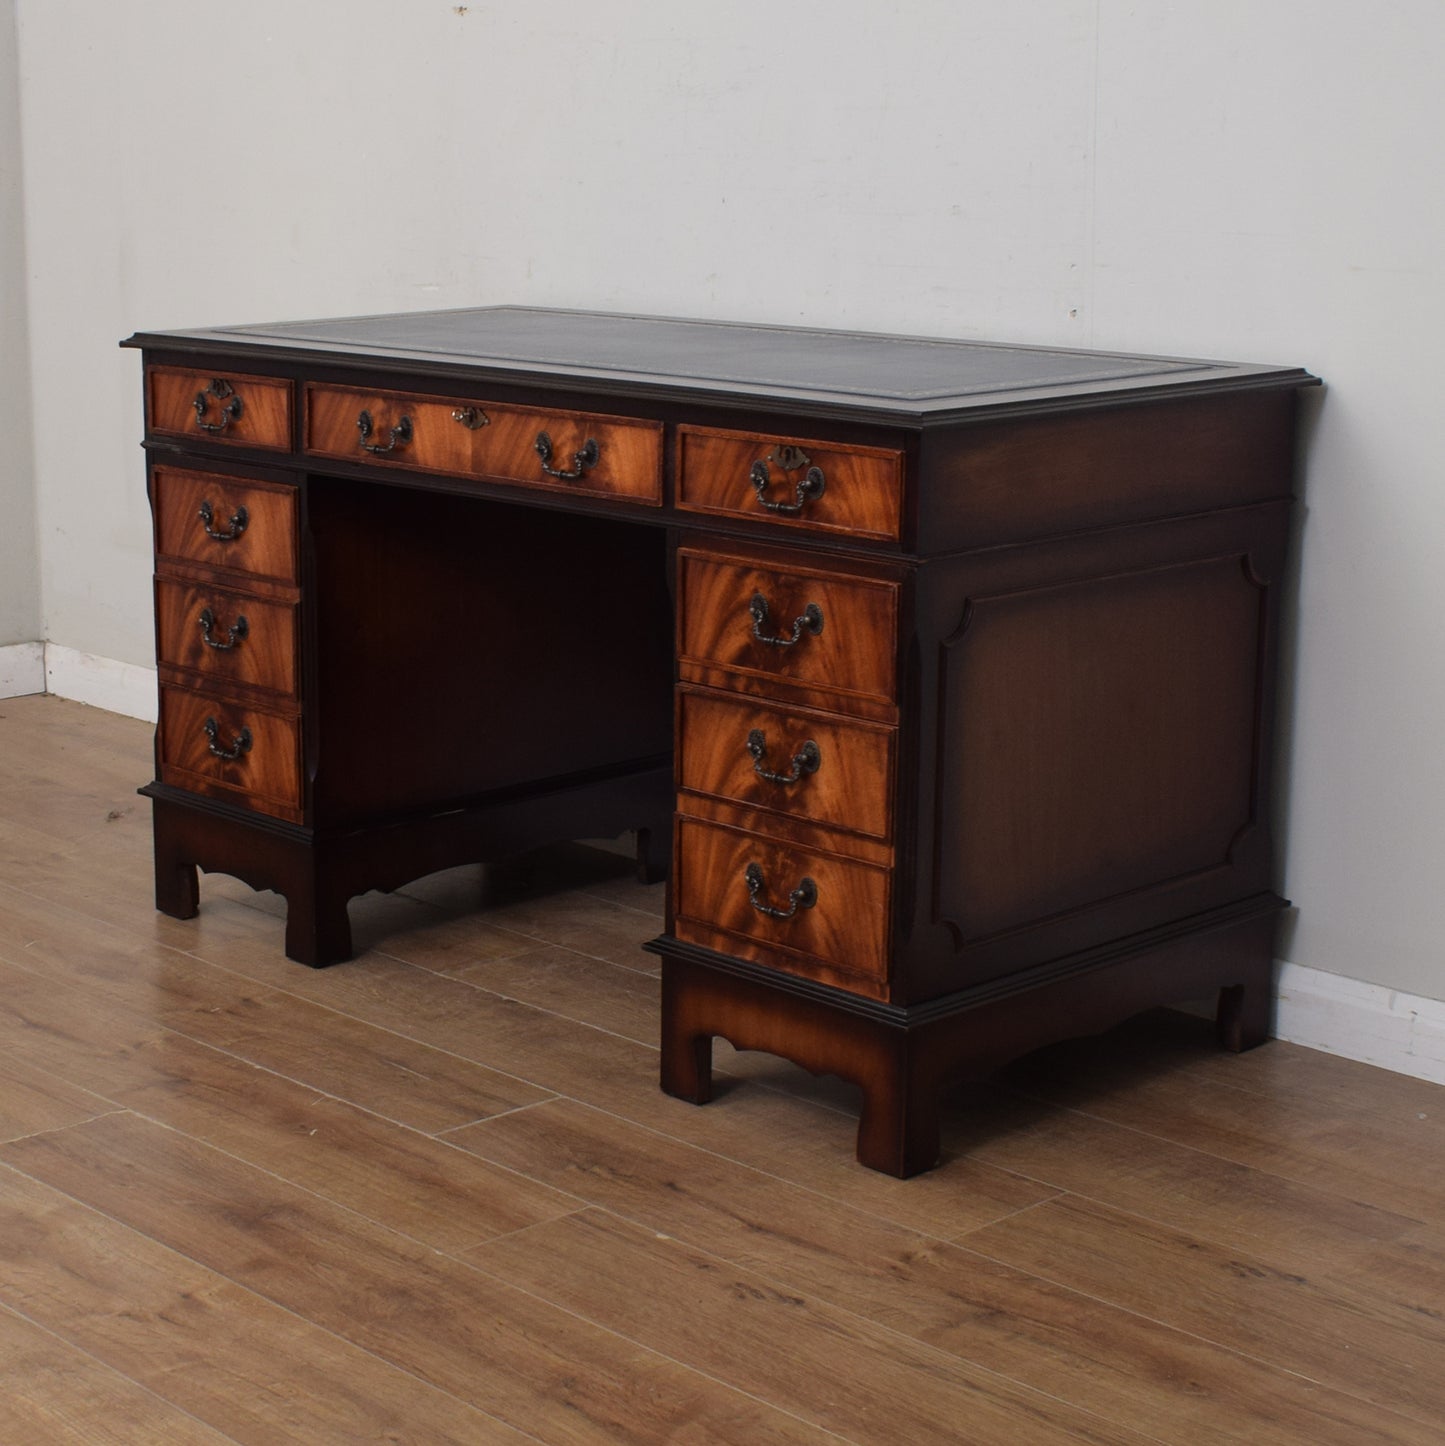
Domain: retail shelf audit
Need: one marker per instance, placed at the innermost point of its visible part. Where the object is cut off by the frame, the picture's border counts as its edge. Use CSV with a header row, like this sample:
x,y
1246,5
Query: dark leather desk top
x,y
899,377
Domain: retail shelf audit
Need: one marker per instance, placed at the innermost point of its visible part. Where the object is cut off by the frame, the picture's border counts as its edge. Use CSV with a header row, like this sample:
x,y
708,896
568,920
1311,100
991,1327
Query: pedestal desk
x,y
938,676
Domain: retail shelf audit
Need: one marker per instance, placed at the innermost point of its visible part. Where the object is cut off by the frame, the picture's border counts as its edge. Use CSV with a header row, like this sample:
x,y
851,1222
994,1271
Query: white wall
x,y
19,557
1237,179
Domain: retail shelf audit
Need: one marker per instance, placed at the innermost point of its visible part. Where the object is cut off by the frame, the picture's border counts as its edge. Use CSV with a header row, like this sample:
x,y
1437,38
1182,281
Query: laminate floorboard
x,y
52,1392
435,1194
1069,1342
735,1321
1317,1325
194,1342
1345,1141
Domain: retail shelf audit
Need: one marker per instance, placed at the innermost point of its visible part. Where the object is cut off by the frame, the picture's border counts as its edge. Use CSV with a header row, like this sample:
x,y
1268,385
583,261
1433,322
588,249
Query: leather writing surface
x,y
900,369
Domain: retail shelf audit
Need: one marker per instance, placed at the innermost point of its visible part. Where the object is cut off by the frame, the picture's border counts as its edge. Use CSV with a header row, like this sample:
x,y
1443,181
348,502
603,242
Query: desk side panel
x,y
1093,743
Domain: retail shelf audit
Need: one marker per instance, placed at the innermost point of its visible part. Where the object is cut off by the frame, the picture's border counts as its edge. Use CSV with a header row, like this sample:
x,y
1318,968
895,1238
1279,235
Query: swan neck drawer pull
x,y
582,462
399,436
809,621
804,761
234,633
787,459
239,745
803,897
239,518
229,411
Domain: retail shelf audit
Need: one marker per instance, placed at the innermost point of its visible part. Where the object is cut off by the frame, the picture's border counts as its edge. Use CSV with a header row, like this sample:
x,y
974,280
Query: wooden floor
x,y
435,1194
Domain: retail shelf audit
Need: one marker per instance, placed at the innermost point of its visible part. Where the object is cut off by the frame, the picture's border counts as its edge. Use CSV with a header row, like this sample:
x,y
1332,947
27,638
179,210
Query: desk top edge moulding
x,y
904,376
937,677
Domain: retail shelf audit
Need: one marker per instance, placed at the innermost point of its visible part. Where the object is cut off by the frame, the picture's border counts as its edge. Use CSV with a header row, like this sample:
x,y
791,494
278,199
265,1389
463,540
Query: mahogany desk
x,y
938,676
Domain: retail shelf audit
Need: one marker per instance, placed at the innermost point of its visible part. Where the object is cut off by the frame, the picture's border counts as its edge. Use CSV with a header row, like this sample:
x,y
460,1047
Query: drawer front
x,y
808,627
225,522
795,909
227,636
241,410
596,456
804,484
807,765
248,755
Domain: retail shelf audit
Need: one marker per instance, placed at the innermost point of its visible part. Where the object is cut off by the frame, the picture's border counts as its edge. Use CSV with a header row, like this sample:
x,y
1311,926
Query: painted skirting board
x,y
1400,1032
1324,1011
22,669
122,688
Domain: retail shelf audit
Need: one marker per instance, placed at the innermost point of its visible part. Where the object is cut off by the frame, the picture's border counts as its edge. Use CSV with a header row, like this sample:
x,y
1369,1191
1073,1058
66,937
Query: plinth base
x,y
903,1057
318,870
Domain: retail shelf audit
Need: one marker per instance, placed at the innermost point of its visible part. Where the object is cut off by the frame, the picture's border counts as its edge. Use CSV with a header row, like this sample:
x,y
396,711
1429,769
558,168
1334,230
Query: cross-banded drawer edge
x,y
213,519
854,491
815,914
241,752
214,405
556,450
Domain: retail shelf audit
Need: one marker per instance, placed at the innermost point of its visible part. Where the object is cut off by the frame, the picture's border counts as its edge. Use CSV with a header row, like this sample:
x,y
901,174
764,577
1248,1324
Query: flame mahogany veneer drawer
x,y
808,765
857,491
245,411
599,456
766,624
227,636
225,522
248,755
801,910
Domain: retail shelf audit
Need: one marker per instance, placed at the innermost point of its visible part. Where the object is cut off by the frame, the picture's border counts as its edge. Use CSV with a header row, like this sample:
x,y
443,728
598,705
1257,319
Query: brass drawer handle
x,y
787,459
805,760
239,518
230,410
399,436
811,620
239,745
582,462
803,897
234,633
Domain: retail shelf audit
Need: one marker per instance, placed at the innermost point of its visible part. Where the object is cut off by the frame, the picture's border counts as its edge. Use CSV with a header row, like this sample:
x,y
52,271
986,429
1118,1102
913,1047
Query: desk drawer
x,y
224,522
595,456
230,637
241,410
800,910
762,623
807,765
812,485
249,755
